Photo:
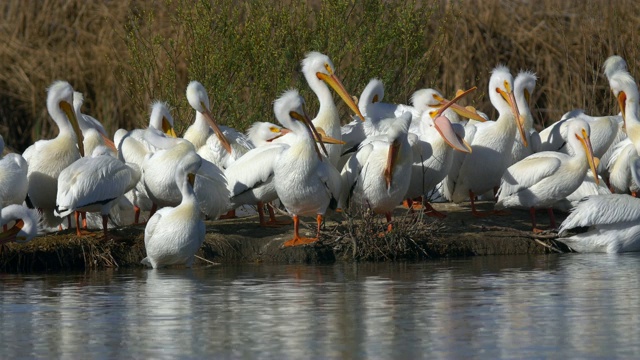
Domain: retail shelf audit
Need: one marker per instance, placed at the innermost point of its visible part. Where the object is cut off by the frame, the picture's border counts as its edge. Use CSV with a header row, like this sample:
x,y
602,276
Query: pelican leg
x,y
532,213
83,214
153,210
229,215
136,213
273,222
389,223
552,217
474,211
297,240
430,211
105,219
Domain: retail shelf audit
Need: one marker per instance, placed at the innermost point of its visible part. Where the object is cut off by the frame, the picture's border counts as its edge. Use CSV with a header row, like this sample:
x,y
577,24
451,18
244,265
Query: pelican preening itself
x,y
25,227
393,152
94,184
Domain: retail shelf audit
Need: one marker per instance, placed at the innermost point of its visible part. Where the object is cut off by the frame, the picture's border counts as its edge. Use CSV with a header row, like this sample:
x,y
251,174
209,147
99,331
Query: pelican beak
x,y
71,115
622,101
328,139
333,81
443,125
108,143
467,112
191,178
313,132
167,128
11,234
392,158
510,98
282,132
586,143
216,129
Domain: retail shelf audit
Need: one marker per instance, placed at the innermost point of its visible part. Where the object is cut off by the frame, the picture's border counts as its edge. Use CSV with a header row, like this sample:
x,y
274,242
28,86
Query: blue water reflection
x,y
556,306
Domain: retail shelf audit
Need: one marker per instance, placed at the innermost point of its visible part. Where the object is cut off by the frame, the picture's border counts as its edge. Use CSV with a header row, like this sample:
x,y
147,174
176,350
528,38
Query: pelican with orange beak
x,y
433,153
305,181
491,142
541,179
47,158
319,72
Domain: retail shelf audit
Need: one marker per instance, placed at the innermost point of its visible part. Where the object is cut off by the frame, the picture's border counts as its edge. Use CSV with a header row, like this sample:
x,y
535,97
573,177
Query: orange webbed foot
x,y
299,241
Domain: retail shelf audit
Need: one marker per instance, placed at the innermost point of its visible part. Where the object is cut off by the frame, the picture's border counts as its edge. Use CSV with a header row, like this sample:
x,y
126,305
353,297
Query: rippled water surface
x,y
560,306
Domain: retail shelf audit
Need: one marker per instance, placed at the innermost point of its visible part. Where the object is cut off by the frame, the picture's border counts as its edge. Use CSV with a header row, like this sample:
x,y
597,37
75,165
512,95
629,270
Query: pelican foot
x,y
299,241
276,223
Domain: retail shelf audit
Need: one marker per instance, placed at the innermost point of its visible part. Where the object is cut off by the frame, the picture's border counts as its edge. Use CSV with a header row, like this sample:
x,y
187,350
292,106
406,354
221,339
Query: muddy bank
x,y
241,240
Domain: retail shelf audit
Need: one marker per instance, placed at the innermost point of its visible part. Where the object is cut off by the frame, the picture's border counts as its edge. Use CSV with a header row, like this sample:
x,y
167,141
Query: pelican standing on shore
x,y
377,176
491,144
541,179
306,183
94,184
47,158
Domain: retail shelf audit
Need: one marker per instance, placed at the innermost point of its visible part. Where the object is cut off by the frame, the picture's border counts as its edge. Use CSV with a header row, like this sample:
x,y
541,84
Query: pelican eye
x,y
274,129
329,70
507,86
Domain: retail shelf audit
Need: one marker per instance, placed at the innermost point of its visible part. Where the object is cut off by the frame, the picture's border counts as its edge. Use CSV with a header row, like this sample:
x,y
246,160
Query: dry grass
x,y
123,54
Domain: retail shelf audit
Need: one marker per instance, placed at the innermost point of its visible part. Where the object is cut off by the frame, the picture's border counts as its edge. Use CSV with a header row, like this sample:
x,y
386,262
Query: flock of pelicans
x,y
388,154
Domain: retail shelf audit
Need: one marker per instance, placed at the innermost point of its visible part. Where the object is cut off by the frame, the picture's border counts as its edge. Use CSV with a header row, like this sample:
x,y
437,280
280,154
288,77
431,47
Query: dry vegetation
x,y
123,54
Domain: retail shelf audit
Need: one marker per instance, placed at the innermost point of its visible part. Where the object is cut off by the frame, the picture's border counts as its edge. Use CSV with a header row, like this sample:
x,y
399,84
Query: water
x,y
560,306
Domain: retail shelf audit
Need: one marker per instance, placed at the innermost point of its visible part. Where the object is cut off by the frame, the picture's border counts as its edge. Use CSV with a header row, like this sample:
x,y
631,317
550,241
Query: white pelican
x,y
173,235
377,176
47,158
319,71
250,178
158,175
523,86
212,142
13,178
433,152
625,90
491,142
25,227
613,221
133,148
305,182
543,178
94,184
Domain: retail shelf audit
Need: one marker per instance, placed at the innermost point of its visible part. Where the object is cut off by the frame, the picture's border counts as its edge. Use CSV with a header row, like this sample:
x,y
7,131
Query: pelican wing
x,y
253,169
91,181
211,189
456,162
351,172
602,210
330,177
528,172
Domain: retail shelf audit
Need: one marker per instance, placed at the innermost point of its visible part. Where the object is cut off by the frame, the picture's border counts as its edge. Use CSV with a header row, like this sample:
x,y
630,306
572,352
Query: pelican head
x,y
503,98
525,83
289,110
613,64
317,67
261,132
199,101
625,89
372,93
579,130
60,107
427,99
161,118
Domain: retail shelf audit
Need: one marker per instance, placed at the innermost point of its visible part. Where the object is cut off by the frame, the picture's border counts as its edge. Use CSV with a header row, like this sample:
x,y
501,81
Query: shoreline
x,y
241,240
